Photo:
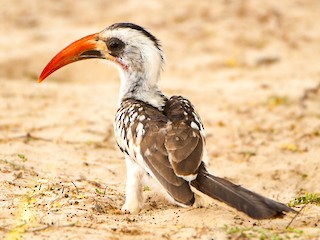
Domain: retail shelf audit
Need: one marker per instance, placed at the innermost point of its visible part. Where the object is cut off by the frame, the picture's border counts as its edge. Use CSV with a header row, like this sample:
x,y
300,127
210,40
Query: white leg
x,y
134,198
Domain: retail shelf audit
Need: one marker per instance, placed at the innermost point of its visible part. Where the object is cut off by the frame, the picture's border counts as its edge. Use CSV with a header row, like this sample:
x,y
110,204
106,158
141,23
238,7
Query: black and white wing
x,y
168,144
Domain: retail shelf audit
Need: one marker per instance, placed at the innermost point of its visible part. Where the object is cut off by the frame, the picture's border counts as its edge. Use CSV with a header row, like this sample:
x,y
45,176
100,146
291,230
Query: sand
x,y
251,68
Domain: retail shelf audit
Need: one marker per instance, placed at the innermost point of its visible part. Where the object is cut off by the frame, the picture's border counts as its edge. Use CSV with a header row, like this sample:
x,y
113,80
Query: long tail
x,y
253,204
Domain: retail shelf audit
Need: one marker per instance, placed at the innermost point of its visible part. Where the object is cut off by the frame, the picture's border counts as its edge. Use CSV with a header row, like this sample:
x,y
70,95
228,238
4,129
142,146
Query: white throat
x,y
141,85
140,79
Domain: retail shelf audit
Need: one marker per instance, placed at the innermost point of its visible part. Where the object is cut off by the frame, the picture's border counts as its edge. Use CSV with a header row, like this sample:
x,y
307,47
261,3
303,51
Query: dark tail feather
x,y
253,204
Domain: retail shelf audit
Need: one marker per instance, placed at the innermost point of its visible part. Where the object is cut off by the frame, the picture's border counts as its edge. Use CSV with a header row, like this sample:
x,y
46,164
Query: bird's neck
x,y
141,84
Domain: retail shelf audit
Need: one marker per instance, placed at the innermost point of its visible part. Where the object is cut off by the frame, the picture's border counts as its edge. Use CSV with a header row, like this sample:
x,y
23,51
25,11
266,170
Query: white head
x,y
140,58
135,51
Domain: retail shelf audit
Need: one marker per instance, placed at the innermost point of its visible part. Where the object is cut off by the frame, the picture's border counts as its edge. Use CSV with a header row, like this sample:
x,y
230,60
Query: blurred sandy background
x,y
252,70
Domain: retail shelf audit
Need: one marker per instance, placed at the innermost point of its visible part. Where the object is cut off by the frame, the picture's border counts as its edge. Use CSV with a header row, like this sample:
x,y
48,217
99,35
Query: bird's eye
x,y
115,45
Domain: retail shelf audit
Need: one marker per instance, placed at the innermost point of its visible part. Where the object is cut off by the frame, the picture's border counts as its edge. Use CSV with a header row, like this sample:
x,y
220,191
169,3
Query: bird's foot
x,y
132,207
201,201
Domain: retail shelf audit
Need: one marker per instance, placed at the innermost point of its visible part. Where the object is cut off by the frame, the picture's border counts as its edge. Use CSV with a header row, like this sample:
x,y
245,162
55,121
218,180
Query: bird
x,y
162,138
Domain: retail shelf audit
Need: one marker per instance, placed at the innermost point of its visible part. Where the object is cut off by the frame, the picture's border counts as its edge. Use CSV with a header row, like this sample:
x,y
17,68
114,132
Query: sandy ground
x,y
247,67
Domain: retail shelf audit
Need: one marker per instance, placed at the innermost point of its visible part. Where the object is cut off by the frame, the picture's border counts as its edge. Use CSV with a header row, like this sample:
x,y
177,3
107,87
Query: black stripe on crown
x,y
138,28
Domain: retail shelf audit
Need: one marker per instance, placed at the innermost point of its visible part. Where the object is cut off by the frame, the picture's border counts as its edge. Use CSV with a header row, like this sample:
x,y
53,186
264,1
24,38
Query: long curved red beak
x,y
81,49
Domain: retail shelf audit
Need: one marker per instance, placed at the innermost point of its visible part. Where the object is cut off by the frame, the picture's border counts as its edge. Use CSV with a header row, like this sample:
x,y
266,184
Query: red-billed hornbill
x,y
162,138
